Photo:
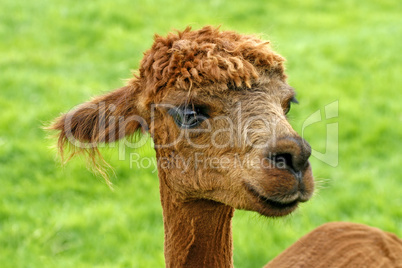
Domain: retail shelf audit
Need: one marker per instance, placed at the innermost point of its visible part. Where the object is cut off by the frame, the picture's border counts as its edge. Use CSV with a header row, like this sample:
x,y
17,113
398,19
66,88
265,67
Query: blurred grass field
x,y
57,54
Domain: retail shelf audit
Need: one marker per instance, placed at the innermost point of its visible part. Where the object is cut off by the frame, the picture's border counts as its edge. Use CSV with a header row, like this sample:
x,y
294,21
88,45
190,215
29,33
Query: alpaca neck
x,y
197,233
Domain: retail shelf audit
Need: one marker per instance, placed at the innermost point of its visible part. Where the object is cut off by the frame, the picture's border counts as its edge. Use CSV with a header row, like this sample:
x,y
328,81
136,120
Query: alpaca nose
x,y
291,153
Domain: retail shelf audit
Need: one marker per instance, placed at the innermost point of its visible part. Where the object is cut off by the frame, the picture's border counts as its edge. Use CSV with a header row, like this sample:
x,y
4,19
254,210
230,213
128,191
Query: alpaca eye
x,y
187,117
289,103
287,109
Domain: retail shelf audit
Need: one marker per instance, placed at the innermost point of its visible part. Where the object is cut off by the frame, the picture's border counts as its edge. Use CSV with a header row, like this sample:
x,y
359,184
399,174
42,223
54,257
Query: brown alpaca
x,y
215,104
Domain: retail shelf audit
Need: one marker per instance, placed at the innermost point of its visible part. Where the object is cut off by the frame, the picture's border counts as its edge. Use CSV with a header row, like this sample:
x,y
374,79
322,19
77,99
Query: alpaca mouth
x,y
286,205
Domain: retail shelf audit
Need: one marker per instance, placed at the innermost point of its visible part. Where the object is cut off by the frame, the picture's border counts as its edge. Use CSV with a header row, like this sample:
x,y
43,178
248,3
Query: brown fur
x,y
229,161
343,244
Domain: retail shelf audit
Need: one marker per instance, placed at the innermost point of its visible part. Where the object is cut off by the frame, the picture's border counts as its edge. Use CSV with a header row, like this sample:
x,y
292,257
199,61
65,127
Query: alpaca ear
x,y
104,119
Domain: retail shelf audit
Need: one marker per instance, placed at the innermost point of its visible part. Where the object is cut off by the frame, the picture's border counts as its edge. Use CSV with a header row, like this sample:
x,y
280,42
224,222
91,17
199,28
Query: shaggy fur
x,y
243,153
342,244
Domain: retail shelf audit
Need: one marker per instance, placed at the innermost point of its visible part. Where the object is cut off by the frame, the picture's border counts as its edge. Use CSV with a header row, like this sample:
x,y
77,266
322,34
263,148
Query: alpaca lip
x,y
272,203
298,175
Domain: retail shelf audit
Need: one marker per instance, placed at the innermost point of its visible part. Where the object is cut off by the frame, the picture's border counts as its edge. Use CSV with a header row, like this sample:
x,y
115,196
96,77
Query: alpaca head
x,y
215,104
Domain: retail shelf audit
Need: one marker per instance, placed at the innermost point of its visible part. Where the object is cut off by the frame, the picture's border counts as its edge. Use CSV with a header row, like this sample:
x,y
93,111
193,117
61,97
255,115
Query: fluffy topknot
x,y
188,59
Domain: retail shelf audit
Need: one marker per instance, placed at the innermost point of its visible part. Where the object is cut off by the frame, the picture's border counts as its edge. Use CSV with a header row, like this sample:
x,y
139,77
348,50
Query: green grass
x,y
57,54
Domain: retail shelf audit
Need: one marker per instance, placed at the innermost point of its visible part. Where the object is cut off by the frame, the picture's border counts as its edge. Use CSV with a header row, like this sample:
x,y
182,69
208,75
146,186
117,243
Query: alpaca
x,y
215,104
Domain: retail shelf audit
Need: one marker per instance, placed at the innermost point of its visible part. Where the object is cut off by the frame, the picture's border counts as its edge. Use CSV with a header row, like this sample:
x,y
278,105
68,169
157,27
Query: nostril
x,y
282,160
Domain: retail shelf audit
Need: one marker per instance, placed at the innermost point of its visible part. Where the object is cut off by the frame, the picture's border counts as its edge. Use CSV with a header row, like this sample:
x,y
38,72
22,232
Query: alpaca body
x,y
340,245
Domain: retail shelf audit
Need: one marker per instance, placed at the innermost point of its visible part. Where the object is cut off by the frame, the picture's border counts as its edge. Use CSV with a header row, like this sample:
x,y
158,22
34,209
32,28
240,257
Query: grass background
x,y
57,54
